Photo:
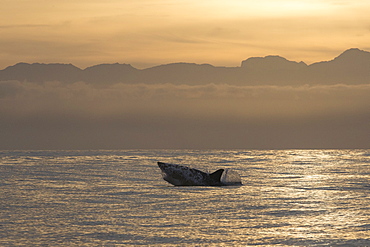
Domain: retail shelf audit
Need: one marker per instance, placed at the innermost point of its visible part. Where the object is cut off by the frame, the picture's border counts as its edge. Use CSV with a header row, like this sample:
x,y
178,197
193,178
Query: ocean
x,y
114,198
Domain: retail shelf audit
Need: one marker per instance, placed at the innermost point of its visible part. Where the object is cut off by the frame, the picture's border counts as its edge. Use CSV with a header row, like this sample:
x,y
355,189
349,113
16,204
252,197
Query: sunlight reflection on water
x,y
289,197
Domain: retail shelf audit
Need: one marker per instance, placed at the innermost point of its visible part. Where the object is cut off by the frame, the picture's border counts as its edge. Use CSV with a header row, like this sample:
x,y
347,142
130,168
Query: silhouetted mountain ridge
x,y
271,62
350,67
108,73
38,72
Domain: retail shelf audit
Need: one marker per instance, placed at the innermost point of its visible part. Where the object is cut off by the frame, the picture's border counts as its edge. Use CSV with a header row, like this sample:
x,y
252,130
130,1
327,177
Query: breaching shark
x,y
184,176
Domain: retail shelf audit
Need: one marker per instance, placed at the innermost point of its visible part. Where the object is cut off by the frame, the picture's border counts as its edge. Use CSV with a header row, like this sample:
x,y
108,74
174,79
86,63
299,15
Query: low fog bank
x,y
55,115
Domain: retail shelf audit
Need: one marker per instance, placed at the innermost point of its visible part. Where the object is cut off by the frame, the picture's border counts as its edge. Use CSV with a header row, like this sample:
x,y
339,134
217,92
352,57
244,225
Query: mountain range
x,y
350,67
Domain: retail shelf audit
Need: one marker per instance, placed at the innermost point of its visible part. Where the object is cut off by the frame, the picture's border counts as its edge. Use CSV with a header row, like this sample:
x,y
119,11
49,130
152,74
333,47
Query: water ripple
x,y
108,198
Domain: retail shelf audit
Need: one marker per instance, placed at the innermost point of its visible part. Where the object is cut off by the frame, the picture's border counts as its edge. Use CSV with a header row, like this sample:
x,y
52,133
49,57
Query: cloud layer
x,y
67,116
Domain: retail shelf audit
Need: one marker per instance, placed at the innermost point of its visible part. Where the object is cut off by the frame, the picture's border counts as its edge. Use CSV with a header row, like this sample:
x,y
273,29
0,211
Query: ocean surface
x,y
113,198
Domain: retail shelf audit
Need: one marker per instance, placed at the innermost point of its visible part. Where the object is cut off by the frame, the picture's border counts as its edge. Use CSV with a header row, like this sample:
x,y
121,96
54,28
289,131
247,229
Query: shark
x,y
179,175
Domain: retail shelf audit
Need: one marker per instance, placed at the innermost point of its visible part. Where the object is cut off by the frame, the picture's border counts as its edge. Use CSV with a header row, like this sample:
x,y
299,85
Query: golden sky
x,y
151,32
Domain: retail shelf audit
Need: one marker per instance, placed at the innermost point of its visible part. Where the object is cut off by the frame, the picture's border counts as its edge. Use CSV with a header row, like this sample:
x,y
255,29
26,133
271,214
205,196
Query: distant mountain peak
x,y
43,64
40,66
354,50
353,53
116,65
182,64
271,62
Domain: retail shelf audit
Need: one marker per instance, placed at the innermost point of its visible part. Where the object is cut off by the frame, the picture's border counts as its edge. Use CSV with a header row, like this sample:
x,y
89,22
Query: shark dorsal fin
x,y
216,175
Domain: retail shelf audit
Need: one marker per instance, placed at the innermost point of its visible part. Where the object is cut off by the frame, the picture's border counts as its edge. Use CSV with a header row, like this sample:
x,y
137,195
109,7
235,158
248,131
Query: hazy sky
x,y
151,32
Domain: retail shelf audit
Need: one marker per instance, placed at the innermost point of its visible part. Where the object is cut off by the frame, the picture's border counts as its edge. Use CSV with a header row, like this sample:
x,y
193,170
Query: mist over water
x,y
54,115
95,198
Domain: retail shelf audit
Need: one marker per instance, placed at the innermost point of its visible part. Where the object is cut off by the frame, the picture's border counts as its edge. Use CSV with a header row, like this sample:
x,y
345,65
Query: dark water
x,y
111,198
